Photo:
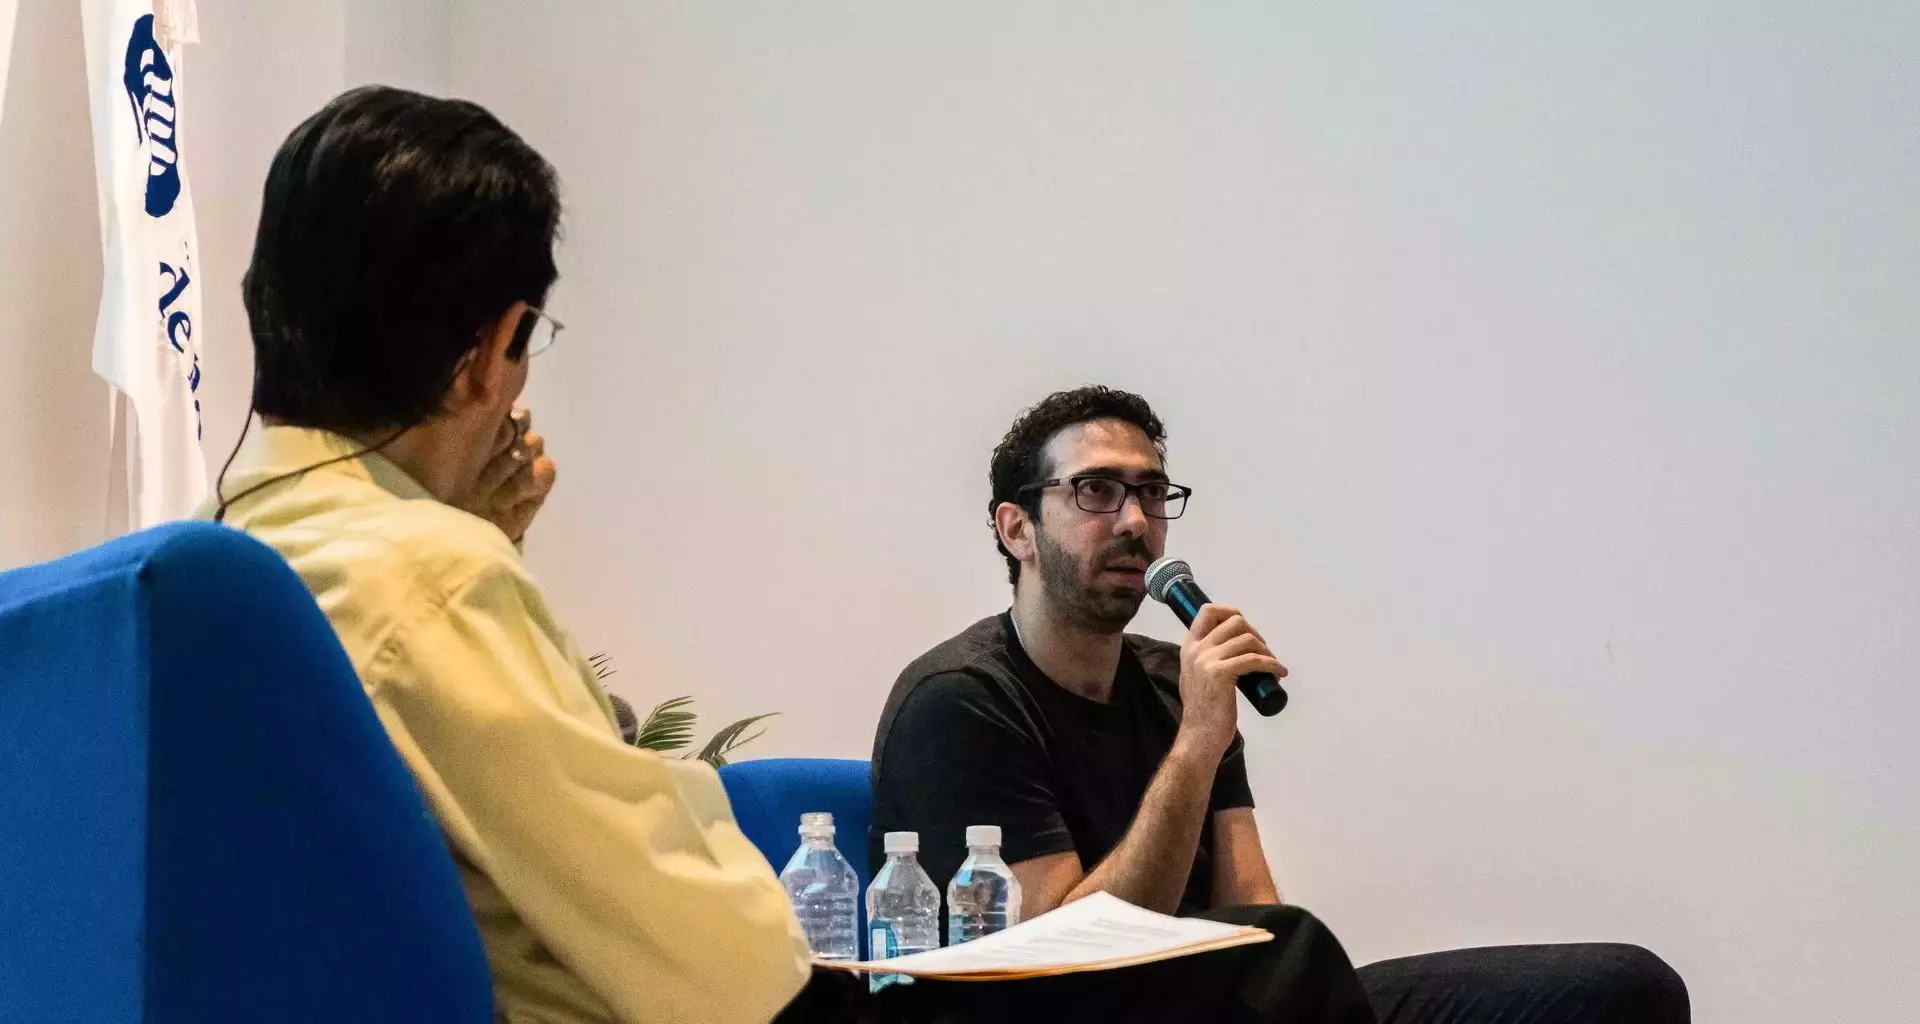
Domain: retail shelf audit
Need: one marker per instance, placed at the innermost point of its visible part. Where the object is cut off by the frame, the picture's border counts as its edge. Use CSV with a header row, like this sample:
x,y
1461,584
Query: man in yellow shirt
x,y
404,247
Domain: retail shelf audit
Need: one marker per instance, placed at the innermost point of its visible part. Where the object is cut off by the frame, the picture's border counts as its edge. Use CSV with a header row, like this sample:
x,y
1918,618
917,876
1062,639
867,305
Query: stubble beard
x,y
1076,596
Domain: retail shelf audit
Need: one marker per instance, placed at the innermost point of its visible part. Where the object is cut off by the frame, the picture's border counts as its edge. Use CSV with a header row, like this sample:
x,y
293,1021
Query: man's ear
x,y
1016,530
484,372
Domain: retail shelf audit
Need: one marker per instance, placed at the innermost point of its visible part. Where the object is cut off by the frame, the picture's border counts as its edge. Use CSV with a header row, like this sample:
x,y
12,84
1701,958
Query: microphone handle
x,y
1261,689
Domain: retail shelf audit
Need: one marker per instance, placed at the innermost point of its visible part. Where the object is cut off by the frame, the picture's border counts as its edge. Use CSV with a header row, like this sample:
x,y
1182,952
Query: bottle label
x,y
881,945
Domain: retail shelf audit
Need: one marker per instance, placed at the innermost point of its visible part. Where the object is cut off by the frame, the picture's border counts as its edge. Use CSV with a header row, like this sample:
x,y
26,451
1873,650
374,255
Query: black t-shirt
x,y
975,734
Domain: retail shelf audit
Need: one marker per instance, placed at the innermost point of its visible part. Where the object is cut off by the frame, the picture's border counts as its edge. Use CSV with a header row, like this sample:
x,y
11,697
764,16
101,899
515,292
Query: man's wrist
x,y
1196,753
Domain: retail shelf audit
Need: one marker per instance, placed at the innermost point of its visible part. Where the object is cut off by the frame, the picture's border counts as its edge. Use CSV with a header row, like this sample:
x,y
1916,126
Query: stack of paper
x,y
1098,933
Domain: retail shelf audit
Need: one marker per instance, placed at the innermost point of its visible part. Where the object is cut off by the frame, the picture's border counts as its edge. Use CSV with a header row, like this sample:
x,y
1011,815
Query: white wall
x,y
402,43
55,440
1547,375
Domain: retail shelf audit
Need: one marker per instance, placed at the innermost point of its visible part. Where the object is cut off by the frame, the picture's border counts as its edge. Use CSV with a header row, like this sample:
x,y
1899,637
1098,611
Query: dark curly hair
x,y
1018,457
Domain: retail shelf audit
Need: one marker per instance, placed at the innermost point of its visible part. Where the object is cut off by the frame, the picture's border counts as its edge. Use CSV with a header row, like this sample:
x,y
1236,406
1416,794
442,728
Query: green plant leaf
x,y
730,739
667,727
602,664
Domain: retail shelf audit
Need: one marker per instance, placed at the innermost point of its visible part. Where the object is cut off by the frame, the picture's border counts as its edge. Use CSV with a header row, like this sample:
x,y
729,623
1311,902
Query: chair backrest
x,y
769,796
203,818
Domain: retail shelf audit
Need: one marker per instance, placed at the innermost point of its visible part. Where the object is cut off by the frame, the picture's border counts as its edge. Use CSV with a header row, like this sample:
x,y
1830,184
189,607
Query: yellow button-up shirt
x,y
608,883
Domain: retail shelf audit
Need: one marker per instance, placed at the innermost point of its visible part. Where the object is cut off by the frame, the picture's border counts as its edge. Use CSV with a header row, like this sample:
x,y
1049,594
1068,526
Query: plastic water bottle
x,y
903,906
983,897
824,890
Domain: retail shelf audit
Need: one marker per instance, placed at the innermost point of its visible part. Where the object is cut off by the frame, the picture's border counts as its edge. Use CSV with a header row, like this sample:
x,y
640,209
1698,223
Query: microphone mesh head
x,y
1161,574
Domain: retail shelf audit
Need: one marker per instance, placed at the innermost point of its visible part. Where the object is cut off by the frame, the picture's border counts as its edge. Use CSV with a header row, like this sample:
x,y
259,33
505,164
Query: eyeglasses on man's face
x,y
541,335
1101,494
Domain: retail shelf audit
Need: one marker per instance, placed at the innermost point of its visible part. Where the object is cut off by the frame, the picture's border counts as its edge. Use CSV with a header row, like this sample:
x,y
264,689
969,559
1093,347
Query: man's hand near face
x,y
516,480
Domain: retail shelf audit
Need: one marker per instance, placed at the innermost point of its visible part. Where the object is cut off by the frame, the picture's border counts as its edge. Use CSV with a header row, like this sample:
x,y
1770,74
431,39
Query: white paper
x,y
1098,931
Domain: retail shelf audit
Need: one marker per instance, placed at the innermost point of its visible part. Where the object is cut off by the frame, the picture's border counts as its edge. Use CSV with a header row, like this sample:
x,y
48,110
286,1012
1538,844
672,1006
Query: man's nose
x,y
1130,518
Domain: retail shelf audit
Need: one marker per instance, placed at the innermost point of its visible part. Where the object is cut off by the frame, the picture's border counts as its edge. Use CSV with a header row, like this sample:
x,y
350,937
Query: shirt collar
x,y
282,450
1124,673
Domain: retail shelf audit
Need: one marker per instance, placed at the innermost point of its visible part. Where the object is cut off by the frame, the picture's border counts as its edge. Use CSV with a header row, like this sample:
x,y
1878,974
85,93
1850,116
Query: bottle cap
x,y
983,835
816,824
901,842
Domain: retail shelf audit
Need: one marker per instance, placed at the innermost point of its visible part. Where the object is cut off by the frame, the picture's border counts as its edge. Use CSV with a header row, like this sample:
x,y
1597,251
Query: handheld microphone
x,y
1170,581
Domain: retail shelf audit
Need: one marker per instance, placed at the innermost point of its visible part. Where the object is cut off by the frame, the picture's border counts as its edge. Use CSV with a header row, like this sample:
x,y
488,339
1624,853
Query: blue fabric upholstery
x,y
769,796
204,820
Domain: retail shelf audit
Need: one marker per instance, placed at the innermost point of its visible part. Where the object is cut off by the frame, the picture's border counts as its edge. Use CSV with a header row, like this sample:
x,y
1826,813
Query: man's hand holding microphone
x,y
1221,647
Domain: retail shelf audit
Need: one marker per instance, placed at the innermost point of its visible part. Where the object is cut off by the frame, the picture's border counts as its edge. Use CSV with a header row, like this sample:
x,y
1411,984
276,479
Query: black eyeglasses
x,y
1100,494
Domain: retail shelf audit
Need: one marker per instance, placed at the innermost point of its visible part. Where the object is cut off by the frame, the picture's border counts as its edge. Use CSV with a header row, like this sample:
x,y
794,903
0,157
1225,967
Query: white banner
x,y
8,8
145,343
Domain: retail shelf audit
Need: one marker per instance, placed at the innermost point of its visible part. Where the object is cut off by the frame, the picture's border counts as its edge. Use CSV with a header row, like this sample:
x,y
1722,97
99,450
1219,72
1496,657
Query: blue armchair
x,y
769,796
203,818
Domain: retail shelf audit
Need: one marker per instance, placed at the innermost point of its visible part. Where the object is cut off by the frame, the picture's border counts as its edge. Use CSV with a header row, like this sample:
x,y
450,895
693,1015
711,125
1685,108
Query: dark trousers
x,y
1302,977
1601,983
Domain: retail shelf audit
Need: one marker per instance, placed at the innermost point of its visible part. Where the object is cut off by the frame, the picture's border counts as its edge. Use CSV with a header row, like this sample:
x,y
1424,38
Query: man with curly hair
x,y
1112,763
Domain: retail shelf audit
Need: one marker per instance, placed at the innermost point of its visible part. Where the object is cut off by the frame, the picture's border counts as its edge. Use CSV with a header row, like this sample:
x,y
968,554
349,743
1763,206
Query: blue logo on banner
x,y
149,81
179,326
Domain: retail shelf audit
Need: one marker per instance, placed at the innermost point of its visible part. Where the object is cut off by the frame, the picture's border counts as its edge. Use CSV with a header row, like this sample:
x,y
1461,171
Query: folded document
x,y
1098,933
